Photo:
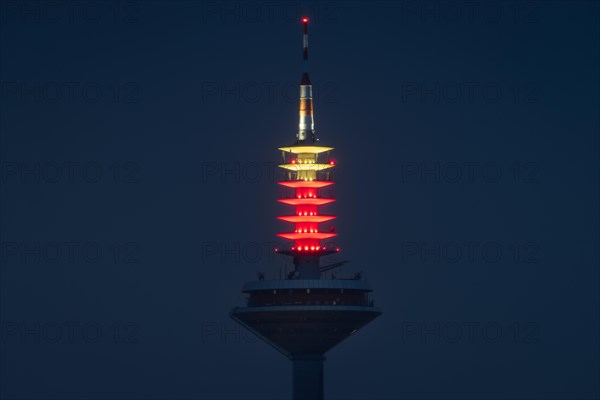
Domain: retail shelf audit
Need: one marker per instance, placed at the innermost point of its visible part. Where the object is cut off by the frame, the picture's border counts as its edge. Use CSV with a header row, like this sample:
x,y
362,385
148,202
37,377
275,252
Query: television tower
x,y
304,314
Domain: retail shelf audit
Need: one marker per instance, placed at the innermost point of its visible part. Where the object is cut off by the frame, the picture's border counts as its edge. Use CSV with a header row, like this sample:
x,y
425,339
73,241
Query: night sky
x,y
138,193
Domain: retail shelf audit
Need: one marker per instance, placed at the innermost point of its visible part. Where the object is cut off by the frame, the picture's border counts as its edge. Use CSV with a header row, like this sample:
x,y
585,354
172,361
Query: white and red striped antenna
x,y
305,44
306,126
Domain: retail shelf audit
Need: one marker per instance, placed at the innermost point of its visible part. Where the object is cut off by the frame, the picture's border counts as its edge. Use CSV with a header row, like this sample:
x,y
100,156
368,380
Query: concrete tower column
x,y
308,376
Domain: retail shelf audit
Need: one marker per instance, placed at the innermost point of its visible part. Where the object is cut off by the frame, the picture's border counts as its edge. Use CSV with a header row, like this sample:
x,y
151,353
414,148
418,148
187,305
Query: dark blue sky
x,y
137,141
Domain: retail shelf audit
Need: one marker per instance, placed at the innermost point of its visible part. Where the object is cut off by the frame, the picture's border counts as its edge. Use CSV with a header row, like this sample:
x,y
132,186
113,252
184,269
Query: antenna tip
x,y
305,20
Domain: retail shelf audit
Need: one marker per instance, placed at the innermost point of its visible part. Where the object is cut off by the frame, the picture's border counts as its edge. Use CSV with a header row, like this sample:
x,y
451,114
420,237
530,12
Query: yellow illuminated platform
x,y
306,149
306,166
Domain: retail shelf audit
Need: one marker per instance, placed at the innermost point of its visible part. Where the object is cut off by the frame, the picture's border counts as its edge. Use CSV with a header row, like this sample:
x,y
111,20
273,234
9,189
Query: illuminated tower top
x,y
308,173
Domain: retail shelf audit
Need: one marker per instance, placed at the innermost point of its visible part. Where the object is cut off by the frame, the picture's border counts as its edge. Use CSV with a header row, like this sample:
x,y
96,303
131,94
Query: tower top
x,y
306,127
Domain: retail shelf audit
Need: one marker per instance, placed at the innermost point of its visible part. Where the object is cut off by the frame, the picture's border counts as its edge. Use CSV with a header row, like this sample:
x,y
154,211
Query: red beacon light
x,y
305,20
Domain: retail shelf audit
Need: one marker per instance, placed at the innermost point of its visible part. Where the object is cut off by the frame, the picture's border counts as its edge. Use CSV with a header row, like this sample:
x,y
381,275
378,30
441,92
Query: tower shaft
x,y
307,376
